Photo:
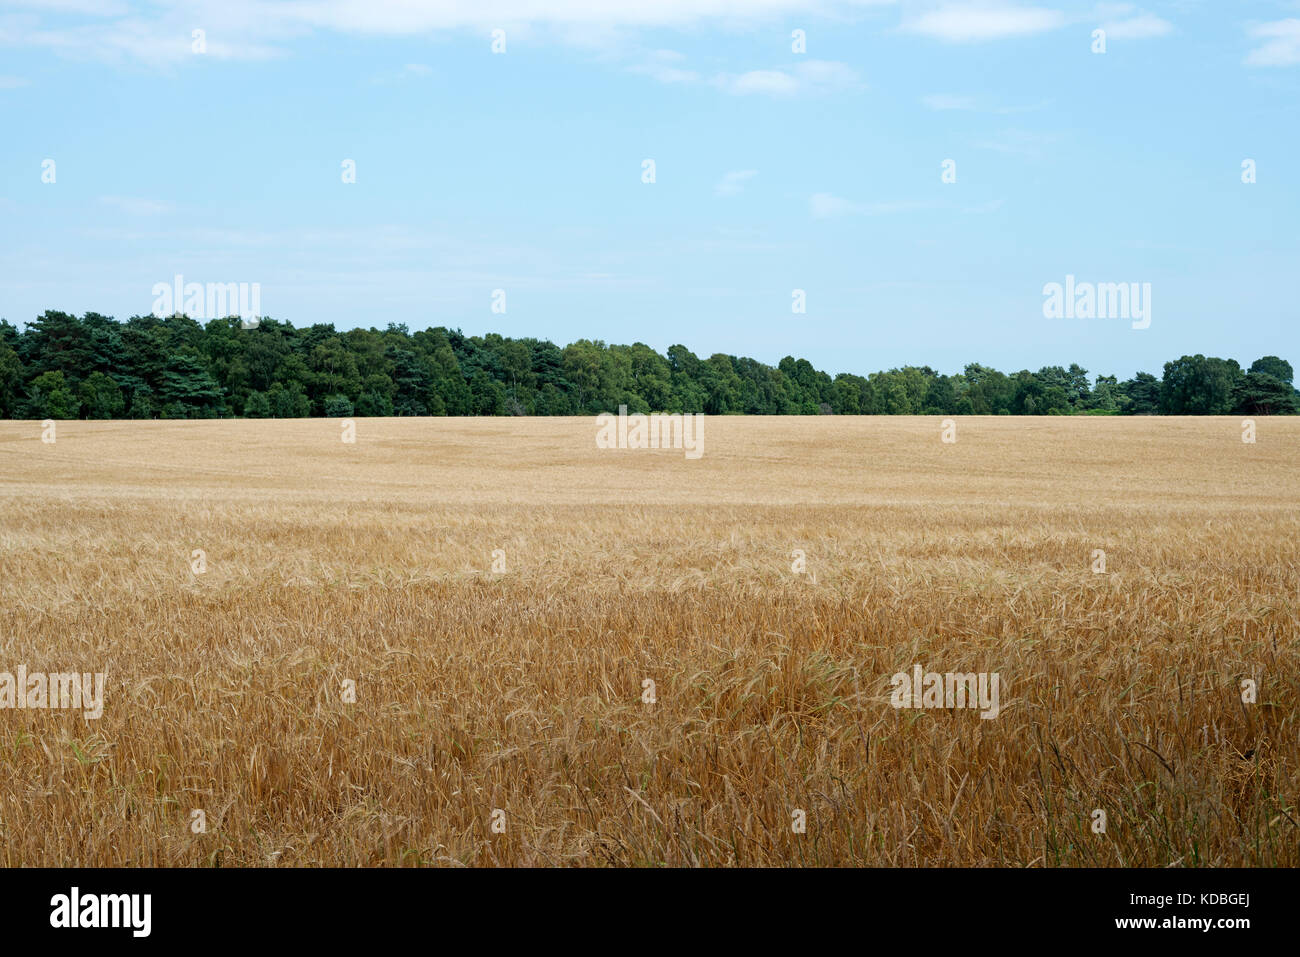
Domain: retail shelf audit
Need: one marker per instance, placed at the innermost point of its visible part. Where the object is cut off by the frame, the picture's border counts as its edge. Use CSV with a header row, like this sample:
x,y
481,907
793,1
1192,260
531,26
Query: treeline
x,y
93,367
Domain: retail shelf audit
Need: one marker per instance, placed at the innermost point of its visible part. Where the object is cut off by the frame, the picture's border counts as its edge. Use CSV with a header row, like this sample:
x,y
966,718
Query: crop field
x,y
479,642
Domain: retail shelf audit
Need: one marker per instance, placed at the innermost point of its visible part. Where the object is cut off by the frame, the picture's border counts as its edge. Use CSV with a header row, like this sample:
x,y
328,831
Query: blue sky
x,y
774,170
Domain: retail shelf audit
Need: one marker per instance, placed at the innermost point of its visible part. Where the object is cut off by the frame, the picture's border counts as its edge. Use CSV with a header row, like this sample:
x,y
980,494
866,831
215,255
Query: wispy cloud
x,y
733,182
103,8
803,78
108,32
408,16
666,66
982,21
158,32
1280,46
134,206
1024,143
11,82
826,206
811,76
1138,28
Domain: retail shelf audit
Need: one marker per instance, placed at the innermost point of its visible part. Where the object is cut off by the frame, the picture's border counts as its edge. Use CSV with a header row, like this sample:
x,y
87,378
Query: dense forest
x,y
93,367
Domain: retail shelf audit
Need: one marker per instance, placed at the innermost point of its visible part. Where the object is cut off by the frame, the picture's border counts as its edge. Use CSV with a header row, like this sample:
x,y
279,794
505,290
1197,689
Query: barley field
x,y
438,645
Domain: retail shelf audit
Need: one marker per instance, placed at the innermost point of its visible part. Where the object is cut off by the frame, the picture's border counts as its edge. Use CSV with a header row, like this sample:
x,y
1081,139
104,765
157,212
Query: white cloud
x,y
771,82
733,182
1140,27
134,206
11,82
826,206
826,73
663,66
163,41
158,31
974,23
1024,143
1281,46
408,16
103,8
811,76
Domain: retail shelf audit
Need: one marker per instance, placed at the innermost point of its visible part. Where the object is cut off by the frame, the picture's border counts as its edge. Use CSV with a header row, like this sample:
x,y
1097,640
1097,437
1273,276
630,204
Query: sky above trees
x,y
798,147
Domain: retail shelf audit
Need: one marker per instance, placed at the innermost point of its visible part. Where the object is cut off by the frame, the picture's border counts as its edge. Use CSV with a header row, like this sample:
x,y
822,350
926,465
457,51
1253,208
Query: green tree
x,y
101,397
177,367
587,367
1106,396
59,341
50,397
1279,369
374,403
1141,395
11,380
1197,385
1258,393
186,388
990,392
288,402
256,406
338,407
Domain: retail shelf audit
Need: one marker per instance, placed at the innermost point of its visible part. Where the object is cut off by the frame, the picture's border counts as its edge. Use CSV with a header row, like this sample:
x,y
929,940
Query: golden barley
x,y
439,645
